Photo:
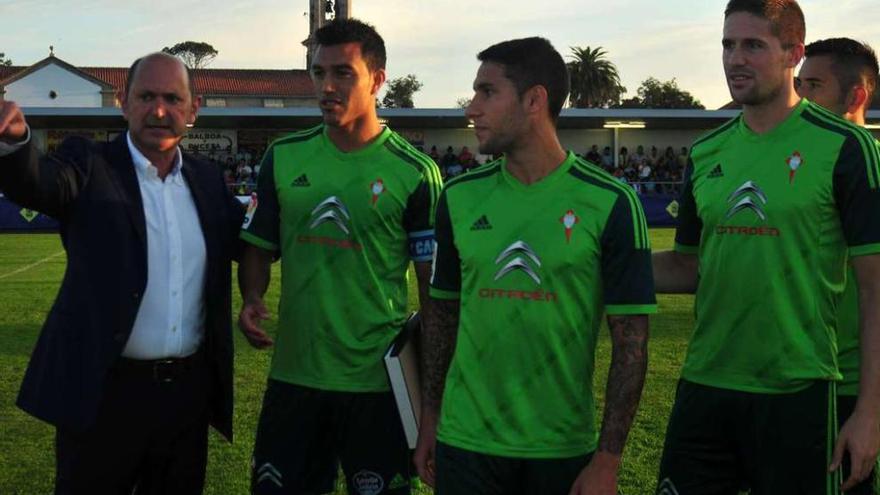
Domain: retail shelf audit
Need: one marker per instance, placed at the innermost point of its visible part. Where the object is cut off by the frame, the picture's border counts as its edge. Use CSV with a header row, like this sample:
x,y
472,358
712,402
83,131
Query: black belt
x,y
159,370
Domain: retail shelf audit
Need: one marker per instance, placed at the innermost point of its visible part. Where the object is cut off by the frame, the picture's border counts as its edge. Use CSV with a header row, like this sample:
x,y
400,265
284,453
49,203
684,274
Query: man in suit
x,y
135,357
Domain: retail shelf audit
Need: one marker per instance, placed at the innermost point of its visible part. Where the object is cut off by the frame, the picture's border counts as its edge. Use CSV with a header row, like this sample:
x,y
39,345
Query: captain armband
x,y
421,245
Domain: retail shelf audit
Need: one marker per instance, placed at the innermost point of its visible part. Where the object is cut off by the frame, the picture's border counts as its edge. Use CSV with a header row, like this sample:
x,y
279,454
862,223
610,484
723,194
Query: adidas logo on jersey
x,y
301,181
482,223
716,172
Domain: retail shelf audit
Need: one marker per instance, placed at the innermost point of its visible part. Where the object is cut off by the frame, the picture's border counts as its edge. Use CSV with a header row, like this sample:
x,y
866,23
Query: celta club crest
x,y
377,188
794,163
569,220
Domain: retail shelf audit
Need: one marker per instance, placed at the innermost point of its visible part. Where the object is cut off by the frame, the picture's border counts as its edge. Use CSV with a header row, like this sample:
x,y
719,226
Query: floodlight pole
x,y
319,15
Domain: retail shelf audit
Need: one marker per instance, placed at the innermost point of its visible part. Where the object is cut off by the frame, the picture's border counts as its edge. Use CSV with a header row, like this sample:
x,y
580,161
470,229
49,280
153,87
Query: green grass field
x,y
31,267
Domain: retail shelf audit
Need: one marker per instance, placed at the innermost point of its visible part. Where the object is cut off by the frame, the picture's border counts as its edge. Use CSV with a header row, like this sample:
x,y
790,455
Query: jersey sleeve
x,y
418,218
627,276
857,193
446,270
263,218
687,234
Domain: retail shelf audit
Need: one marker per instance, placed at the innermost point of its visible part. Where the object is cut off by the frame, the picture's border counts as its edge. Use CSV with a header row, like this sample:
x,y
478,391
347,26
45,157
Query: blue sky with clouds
x,y
436,40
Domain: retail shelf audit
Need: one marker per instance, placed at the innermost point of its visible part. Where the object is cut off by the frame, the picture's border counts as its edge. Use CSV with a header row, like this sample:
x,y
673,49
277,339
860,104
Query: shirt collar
x,y
146,170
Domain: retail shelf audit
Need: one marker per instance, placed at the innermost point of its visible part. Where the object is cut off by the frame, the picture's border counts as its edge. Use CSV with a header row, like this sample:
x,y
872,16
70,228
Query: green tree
x,y
4,61
195,54
654,93
400,92
595,82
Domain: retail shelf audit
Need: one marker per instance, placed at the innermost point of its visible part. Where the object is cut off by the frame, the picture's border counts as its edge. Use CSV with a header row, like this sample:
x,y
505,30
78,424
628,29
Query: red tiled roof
x,y
294,83
232,82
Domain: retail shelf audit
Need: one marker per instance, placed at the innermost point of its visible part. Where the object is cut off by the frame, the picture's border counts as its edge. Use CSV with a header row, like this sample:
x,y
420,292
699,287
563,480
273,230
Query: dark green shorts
x,y
724,442
463,472
305,434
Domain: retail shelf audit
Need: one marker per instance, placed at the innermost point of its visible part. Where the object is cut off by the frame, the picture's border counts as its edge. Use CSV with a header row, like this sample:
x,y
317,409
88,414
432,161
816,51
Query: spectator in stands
x,y
638,158
668,160
469,164
645,176
682,159
623,158
593,155
607,159
448,158
654,157
454,169
244,171
434,154
661,174
465,156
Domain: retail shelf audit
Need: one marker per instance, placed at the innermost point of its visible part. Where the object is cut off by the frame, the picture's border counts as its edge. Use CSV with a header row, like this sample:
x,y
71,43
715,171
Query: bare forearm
x,y
254,272
439,331
674,272
626,377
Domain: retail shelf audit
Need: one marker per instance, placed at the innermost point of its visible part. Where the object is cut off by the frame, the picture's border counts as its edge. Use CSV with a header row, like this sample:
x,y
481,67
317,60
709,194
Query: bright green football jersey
x,y
848,350
771,217
534,267
347,226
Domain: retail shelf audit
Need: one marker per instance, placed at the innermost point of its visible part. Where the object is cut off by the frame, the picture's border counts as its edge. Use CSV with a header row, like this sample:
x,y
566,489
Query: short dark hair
x,y
853,62
134,66
785,16
531,62
341,31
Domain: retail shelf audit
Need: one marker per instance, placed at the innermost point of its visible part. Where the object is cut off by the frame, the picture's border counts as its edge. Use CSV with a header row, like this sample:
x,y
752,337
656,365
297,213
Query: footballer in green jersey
x,y
347,226
347,205
773,202
532,251
841,75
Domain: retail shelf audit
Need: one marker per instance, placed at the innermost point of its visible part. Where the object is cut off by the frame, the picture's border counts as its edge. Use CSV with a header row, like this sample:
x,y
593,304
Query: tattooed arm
x,y
439,331
629,363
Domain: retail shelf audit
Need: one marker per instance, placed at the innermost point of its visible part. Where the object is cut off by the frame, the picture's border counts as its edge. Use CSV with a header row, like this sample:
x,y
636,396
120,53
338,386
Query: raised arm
x,y
13,128
46,184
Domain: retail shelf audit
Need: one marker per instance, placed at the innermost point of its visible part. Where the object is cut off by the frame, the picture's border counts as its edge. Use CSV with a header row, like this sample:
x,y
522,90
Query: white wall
x,y
73,91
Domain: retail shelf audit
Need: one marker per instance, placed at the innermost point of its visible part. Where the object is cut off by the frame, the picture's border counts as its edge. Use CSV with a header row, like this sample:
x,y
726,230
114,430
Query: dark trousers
x,y
150,436
725,442
305,434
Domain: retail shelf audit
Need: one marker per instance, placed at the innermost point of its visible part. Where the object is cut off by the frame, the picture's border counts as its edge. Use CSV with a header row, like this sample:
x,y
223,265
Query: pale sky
x,y
436,40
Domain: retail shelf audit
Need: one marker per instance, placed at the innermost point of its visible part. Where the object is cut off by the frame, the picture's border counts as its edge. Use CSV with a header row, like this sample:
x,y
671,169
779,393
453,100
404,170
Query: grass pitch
x,y
31,267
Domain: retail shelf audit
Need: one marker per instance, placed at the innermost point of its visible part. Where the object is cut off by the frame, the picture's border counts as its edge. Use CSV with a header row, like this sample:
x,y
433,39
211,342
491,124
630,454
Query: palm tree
x,y
594,79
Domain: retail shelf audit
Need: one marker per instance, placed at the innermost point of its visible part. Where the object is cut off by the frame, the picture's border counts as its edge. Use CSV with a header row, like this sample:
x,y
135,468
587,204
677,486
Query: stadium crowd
x,y
649,172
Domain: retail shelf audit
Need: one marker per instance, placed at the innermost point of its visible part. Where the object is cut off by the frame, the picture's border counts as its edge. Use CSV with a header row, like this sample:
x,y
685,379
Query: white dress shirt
x,y
171,316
